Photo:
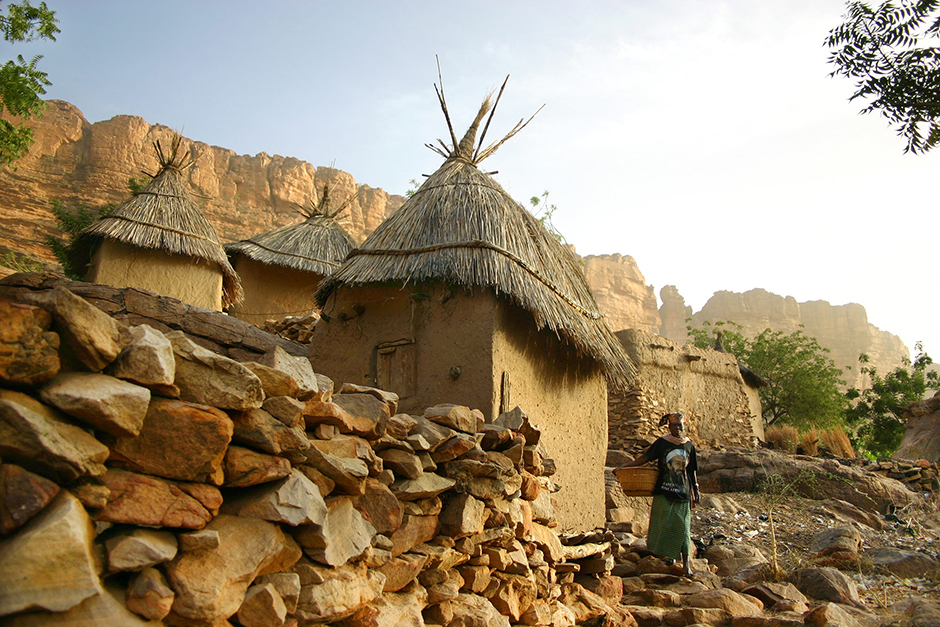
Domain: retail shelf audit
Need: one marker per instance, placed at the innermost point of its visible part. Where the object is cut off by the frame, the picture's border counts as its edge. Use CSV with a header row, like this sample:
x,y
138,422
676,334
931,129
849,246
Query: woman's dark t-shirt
x,y
676,464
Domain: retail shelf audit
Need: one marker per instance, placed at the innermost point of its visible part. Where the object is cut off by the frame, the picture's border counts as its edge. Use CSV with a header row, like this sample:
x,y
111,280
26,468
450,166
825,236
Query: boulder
x,y
902,563
257,428
39,439
286,584
456,417
836,546
425,486
22,496
274,382
49,564
471,610
462,515
211,584
262,607
342,536
380,507
826,584
29,351
293,500
99,400
244,467
178,440
104,609
413,531
148,361
309,384
210,379
401,570
149,595
722,598
136,549
137,499
743,470
331,594
402,609
288,410
93,336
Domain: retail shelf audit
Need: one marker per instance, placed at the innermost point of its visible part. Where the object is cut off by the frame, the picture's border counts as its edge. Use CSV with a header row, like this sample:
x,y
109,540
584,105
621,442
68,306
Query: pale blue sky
x,y
704,138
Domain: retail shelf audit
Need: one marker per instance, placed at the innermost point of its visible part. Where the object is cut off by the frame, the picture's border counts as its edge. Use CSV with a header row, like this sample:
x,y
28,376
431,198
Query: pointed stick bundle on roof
x,y
461,227
164,216
318,244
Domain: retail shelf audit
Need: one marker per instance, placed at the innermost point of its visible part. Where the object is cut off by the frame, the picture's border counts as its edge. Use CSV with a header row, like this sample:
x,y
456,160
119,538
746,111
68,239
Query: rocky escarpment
x,y
627,302
843,329
77,162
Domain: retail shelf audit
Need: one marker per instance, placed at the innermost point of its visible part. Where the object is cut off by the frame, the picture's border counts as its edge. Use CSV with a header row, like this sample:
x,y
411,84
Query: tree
x,y
21,82
882,49
876,413
803,383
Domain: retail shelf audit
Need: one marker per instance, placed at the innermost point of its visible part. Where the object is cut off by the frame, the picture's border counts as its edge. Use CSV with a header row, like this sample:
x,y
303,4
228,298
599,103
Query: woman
x,y
675,493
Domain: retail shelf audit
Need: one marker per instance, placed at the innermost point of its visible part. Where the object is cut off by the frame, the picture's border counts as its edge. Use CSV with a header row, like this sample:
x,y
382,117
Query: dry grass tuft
x,y
809,442
783,438
837,442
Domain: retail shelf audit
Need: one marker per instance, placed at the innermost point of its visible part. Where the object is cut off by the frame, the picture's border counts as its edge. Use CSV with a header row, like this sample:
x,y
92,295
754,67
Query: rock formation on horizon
x,y
77,162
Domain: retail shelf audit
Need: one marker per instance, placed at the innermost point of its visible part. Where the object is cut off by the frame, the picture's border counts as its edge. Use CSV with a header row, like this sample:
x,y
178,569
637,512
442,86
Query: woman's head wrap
x,y
667,418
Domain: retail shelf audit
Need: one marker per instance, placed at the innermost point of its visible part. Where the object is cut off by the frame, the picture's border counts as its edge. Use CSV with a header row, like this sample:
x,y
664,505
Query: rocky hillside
x,y
75,162
627,301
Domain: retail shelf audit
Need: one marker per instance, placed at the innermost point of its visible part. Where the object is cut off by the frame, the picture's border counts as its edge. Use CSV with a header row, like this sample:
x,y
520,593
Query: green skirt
x,y
670,532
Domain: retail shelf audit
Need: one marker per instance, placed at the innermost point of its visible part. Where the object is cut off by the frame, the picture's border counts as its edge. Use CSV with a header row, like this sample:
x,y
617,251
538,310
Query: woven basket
x,y
637,481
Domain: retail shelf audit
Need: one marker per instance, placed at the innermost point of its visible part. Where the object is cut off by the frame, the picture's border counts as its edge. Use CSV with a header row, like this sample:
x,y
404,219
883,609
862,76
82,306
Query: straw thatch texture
x,y
463,228
164,216
319,244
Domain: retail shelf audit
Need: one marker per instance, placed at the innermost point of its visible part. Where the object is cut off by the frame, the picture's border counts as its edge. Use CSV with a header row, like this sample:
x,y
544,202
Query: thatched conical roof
x,y
461,227
164,216
318,244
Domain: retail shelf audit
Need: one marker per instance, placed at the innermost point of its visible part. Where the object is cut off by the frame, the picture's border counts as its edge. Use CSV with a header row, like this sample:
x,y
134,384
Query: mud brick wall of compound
x,y
705,385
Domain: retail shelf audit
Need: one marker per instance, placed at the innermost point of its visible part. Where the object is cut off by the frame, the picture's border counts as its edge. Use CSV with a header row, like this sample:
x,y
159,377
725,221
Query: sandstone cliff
x,y
75,162
621,292
843,329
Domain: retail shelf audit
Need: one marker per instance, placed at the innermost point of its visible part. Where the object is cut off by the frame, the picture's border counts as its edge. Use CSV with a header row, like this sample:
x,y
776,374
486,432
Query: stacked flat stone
x,y
146,478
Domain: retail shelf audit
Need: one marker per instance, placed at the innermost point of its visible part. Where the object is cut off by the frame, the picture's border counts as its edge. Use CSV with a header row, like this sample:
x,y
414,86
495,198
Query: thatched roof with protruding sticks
x,y
164,216
461,227
319,244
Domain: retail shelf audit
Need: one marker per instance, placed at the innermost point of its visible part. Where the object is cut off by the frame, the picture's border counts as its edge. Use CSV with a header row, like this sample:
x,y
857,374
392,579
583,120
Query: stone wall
x,y
705,385
145,478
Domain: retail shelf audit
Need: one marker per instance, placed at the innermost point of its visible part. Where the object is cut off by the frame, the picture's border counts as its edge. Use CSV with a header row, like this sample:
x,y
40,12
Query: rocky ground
x,y
798,520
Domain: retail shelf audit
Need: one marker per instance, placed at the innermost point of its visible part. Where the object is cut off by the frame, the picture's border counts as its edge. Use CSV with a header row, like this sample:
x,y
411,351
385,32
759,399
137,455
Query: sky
x,y
704,138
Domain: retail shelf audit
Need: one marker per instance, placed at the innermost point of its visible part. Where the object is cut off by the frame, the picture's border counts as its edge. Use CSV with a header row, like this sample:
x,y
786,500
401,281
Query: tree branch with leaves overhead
x,y
884,49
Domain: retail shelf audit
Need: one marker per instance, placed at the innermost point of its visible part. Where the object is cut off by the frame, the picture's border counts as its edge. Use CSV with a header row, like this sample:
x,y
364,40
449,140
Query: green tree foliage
x,y
876,413
71,222
21,82
882,48
20,263
803,383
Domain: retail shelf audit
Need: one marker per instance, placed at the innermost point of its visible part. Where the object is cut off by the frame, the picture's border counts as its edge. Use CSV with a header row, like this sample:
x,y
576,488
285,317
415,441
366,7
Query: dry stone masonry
x,y
146,478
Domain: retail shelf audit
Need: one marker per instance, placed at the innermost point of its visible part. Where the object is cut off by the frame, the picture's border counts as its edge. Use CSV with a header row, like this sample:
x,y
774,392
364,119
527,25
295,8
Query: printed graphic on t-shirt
x,y
675,479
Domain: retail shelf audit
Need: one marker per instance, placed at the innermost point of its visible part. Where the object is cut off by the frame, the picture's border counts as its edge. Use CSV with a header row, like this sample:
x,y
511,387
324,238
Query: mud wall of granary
x,y
705,385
